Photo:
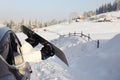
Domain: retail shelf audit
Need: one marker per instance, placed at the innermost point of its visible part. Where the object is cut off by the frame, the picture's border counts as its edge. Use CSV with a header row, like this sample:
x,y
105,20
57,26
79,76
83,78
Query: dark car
x,y
12,64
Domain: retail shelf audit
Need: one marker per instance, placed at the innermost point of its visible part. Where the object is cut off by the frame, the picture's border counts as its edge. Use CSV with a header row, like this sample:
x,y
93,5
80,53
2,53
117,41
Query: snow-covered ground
x,y
86,62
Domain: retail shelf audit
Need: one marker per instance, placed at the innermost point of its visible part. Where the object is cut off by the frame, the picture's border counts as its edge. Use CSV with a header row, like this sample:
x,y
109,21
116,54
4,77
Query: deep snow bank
x,y
89,63
113,45
85,60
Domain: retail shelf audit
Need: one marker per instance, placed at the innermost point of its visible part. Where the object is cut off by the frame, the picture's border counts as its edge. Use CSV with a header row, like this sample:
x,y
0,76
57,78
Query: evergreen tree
x,y
97,11
109,7
114,6
118,5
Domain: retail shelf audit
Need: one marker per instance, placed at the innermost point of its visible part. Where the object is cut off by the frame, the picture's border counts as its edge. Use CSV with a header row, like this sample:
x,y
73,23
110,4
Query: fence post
x,y
98,43
74,33
69,33
81,34
88,37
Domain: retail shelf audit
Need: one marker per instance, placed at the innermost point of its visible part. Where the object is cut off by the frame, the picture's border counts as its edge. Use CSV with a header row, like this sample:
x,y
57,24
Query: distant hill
x,y
112,16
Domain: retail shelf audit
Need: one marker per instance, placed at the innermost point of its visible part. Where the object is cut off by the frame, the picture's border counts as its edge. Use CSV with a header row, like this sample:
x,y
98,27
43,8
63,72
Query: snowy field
x,y
86,61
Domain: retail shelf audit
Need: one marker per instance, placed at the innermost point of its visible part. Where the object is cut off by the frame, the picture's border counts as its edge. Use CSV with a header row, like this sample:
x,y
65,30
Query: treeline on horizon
x,y
108,7
115,6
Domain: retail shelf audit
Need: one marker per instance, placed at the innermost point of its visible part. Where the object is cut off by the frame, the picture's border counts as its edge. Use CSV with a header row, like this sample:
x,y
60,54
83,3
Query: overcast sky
x,y
45,9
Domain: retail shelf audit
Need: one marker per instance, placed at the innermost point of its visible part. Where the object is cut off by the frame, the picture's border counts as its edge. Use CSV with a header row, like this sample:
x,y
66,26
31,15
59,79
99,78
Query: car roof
x,y
3,30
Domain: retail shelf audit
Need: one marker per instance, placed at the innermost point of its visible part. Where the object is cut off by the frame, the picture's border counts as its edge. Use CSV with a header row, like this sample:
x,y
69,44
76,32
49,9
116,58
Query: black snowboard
x,y
43,41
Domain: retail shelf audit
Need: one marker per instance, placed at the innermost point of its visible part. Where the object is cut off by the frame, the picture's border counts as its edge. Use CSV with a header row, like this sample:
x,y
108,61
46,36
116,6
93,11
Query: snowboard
x,y
59,53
